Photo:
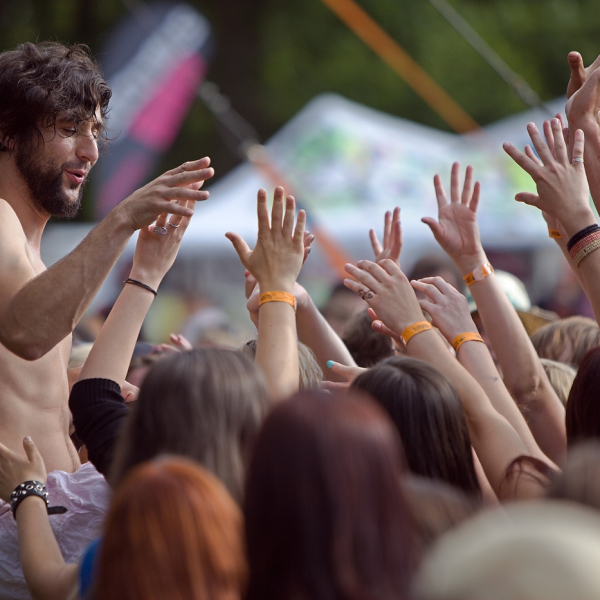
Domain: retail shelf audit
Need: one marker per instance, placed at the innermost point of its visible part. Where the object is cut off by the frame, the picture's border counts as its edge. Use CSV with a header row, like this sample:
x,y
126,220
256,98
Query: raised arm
x,y
450,313
583,106
564,194
457,232
275,262
97,407
37,312
497,444
47,575
313,329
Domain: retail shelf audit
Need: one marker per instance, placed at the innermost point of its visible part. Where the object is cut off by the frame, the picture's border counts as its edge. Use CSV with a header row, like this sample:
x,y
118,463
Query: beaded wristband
x,y
140,284
412,330
468,336
581,234
554,234
478,274
278,297
588,249
591,237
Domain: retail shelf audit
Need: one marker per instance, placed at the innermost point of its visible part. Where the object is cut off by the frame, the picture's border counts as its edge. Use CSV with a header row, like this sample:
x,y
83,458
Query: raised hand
x,y
167,194
448,308
583,92
561,183
579,73
279,252
15,469
156,253
387,291
456,229
392,238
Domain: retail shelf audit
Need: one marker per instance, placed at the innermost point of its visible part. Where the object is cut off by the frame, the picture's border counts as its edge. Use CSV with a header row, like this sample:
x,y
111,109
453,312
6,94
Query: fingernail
x,y
329,364
28,439
347,265
506,145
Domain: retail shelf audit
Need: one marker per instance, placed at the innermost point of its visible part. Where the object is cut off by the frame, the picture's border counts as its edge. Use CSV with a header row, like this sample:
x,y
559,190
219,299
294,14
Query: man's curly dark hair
x,y
40,81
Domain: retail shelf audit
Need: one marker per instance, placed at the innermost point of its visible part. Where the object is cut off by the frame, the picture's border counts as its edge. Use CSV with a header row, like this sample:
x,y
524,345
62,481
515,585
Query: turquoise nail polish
x,y
329,364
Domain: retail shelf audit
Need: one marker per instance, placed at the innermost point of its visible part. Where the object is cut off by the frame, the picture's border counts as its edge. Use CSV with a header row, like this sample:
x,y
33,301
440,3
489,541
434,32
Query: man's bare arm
x,y
38,312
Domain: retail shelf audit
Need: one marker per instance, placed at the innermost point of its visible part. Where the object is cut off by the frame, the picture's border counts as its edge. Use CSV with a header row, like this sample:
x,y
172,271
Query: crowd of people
x,y
434,451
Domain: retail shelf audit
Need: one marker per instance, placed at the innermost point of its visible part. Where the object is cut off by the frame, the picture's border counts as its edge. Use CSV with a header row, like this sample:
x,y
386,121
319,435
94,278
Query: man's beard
x,y
46,184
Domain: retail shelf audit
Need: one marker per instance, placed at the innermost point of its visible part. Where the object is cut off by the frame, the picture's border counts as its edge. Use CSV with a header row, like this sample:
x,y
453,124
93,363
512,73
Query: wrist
x,y
276,285
145,276
468,263
577,220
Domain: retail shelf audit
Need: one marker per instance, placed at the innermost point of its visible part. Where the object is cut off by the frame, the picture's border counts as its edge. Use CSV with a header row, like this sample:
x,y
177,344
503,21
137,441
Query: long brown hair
x,y
174,533
206,404
325,514
427,412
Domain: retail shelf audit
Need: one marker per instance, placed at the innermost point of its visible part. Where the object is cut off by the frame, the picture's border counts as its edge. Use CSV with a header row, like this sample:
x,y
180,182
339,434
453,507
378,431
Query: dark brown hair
x,y
427,412
206,404
367,346
39,82
583,410
325,515
172,532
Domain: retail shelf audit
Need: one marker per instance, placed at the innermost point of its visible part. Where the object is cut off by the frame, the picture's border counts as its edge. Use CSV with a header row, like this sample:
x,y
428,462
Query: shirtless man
x,y
52,105
53,102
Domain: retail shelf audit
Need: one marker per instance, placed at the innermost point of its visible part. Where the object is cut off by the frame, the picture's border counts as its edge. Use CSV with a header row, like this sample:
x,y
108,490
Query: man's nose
x,y
87,148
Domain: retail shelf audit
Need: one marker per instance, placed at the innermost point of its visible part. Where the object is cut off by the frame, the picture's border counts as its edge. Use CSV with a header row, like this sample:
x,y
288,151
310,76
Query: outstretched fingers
x,y
300,227
578,146
560,147
526,163
455,183
240,246
539,144
440,192
467,192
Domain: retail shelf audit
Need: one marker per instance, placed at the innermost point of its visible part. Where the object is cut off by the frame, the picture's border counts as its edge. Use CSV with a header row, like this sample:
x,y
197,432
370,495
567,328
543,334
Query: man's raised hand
x,y
167,194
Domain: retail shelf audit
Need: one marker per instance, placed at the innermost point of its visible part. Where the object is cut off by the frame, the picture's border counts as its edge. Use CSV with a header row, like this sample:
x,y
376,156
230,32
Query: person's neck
x,y
16,193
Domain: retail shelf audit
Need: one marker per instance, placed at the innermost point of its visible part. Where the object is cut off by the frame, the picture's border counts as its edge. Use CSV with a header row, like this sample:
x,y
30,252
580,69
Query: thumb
x,y
33,454
527,198
239,244
379,327
435,227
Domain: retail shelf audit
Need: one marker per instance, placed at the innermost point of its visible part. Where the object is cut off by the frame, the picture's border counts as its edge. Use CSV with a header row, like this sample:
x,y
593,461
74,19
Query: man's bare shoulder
x,y
16,264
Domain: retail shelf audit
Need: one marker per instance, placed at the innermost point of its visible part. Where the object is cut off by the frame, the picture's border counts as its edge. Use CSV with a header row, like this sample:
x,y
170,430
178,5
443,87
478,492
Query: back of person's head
x,y
561,376
206,404
427,412
436,507
311,374
172,532
544,550
580,477
367,346
438,265
38,82
583,409
567,340
325,514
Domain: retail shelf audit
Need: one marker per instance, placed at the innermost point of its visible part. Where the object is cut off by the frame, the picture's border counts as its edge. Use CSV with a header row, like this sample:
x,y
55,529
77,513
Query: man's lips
x,y
76,175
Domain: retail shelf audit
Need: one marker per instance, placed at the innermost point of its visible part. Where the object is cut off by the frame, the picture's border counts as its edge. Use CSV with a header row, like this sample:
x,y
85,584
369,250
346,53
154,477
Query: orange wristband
x,y
555,234
479,274
415,328
277,297
468,336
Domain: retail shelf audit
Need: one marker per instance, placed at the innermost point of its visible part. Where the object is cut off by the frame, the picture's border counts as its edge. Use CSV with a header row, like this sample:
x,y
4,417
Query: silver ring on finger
x,y
576,160
158,230
172,225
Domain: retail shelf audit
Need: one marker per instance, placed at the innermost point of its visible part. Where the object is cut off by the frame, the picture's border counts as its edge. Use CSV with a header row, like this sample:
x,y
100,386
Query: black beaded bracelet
x,y
32,488
140,284
581,234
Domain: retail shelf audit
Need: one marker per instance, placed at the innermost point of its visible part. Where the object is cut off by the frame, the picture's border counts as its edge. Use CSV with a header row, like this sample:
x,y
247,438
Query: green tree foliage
x,y
272,57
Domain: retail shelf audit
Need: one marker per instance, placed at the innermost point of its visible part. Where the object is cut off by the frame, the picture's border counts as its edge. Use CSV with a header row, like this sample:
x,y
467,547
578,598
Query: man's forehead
x,y
96,120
